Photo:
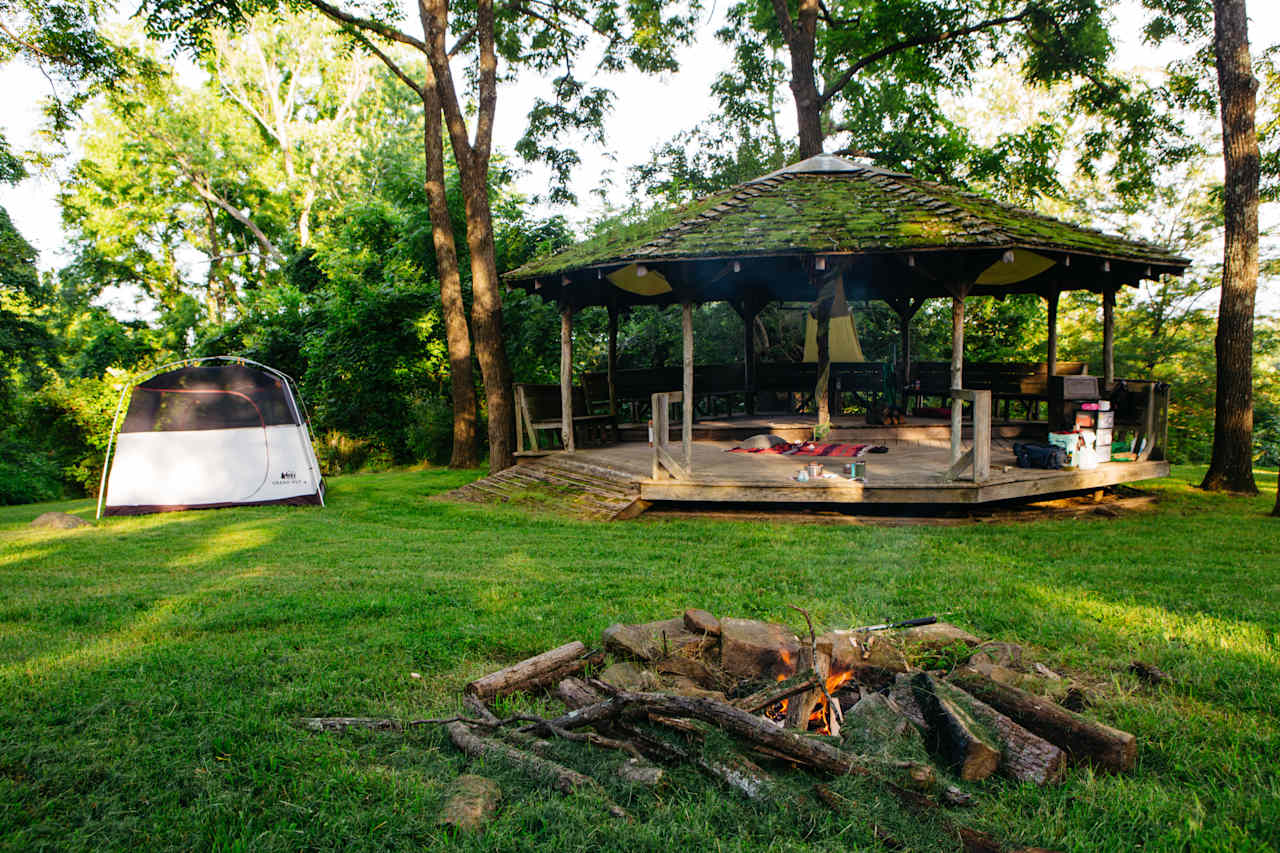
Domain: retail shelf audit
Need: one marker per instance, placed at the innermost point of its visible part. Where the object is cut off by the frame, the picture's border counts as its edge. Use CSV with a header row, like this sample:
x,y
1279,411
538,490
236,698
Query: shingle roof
x,y
828,204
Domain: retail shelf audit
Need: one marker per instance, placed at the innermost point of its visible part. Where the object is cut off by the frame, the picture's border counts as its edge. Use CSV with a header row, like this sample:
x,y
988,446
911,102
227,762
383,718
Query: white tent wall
x,y
210,467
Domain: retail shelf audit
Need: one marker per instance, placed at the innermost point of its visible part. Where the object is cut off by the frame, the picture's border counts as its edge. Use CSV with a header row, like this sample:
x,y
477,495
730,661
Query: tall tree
x,y
1231,467
535,35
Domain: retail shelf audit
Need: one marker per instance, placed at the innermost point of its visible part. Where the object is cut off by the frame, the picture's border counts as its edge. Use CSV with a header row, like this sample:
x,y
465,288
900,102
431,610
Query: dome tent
x,y
207,433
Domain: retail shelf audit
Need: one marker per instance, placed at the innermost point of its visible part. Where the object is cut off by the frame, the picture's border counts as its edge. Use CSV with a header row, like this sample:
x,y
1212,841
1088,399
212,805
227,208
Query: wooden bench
x,y
795,382
1025,382
538,410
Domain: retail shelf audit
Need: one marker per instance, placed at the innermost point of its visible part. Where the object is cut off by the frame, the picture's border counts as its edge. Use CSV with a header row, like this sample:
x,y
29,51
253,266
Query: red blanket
x,y
807,448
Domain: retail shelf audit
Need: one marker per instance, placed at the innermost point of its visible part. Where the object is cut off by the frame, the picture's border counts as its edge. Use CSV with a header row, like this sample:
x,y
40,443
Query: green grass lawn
x,y
150,667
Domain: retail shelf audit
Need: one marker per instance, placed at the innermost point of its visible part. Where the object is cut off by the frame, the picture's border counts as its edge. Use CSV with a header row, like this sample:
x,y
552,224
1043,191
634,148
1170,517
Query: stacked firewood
x,y
906,708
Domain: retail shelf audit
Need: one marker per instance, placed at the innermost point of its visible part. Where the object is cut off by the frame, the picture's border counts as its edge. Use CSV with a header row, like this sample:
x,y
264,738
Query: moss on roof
x,y
854,209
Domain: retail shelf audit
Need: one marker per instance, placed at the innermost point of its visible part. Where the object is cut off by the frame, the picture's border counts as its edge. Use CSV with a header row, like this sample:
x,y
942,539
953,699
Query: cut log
x,y
576,693
1083,740
531,675
1024,756
341,724
952,734
801,708
758,701
738,723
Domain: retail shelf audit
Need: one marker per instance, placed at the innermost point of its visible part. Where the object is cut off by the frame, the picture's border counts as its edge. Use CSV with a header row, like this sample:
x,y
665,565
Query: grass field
x,y
150,667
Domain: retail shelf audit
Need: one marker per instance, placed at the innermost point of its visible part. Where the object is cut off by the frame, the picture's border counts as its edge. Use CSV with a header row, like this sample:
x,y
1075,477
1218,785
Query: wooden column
x,y
822,390
566,376
1108,338
749,312
906,309
1051,354
957,372
686,406
613,357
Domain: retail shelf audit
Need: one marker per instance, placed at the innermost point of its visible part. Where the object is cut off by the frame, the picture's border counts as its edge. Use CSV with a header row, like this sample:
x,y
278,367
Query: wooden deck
x,y
910,473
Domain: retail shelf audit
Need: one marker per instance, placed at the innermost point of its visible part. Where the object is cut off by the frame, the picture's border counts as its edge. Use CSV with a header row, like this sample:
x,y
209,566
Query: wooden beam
x,y
613,357
686,406
1108,339
750,310
957,374
1051,354
566,376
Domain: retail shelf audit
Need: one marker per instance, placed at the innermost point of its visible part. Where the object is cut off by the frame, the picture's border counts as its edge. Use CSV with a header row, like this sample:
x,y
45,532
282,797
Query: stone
x,y
629,676
753,649
681,686
694,670
1044,672
1004,654
472,803
939,635
60,521
702,622
654,640
884,657
636,772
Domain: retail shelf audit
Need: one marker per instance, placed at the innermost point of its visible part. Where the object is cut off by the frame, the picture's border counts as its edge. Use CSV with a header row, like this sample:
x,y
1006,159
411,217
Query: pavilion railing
x,y
979,453
664,462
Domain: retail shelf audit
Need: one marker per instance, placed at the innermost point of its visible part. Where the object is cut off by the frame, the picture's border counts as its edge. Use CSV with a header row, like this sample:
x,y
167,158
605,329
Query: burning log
x,y
953,734
1081,738
533,674
758,701
801,708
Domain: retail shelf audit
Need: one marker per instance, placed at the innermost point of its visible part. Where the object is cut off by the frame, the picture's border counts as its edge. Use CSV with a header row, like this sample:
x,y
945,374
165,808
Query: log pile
x,y
866,702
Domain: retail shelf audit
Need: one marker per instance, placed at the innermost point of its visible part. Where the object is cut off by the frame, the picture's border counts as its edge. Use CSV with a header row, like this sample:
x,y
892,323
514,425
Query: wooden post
x,y
1108,339
822,390
1051,354
957,373
906,309
686,406
613,357
749,312
566,376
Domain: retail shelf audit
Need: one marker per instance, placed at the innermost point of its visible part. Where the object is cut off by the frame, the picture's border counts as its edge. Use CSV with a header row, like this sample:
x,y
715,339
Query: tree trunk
x,y
1231,466
486,322
473,166
801,44
466,450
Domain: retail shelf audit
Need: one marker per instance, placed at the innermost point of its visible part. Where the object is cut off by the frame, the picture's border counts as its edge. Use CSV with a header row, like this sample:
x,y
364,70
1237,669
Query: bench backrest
x,y
542,402
1008,377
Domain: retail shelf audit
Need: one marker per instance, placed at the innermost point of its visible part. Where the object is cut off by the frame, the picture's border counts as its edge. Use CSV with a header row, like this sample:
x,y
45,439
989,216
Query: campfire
x,y
916,707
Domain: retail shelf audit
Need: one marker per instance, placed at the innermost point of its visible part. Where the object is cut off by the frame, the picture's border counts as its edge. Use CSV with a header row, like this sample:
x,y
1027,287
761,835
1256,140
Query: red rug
x,y
806,448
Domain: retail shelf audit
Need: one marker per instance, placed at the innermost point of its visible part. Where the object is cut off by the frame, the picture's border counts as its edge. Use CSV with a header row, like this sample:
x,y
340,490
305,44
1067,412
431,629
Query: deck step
x,y
562,485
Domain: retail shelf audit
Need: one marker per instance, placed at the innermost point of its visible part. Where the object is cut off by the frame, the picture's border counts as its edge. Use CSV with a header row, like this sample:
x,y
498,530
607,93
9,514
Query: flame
x,y
820,719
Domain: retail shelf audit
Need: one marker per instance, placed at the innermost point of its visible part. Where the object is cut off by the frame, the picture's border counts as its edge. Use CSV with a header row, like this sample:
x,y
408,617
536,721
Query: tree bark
x,y
473,166
466,449
801,44
1231,466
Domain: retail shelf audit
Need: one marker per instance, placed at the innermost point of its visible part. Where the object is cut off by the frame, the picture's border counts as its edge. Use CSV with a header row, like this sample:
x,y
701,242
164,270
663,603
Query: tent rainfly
x,y
212,432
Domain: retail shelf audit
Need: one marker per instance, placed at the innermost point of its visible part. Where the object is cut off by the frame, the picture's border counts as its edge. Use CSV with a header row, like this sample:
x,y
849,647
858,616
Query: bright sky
x,y
648,111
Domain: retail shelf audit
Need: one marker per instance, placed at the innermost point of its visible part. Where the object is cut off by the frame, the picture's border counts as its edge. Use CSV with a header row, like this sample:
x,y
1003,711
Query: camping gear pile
x,y
922,709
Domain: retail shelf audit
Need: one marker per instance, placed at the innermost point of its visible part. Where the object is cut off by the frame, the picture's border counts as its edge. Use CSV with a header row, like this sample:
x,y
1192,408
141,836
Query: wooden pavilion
x,y
819,232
